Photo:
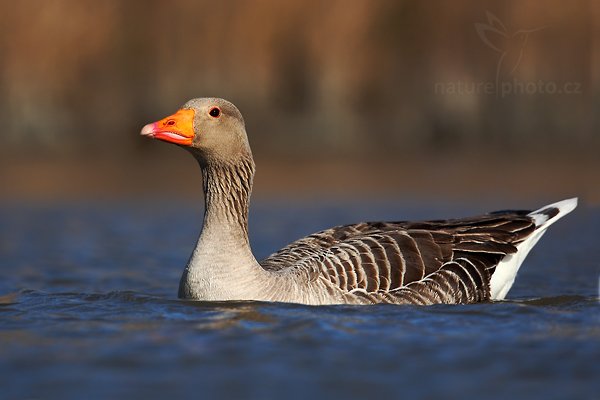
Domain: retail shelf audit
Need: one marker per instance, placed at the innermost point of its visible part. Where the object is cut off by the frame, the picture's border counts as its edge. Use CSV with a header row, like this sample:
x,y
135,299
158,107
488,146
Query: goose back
x,y
427,262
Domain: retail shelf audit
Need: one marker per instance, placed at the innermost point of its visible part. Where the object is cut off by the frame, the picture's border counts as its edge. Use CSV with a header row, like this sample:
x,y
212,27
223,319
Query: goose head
x,y
211,128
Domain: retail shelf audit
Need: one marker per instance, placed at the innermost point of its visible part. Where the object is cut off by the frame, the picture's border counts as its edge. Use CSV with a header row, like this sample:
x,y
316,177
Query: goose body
x,y
444,261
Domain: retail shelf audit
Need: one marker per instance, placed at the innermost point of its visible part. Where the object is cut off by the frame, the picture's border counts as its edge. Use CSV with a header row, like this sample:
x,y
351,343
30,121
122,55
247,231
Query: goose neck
x,y
227,190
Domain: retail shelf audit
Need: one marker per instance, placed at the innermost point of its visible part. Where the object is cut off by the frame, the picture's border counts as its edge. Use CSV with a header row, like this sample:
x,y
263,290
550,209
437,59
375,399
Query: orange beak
x,y
177,128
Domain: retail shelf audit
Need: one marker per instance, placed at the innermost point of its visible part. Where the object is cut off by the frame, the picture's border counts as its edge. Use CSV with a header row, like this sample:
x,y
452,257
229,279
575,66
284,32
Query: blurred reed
x,y
394,80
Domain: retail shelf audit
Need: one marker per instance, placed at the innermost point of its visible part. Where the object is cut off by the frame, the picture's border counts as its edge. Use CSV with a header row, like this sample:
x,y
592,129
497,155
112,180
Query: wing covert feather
x,y
416,262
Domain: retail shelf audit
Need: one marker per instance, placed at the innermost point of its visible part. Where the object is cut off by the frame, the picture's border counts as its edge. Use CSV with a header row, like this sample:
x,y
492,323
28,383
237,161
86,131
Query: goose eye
x,y
215,112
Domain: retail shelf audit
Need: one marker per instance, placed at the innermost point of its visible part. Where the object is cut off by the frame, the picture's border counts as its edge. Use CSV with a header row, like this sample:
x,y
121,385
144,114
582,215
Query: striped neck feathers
x,y
227,190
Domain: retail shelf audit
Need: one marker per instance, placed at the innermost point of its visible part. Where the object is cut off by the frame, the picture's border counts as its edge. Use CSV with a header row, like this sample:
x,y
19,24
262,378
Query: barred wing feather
x,y
449,261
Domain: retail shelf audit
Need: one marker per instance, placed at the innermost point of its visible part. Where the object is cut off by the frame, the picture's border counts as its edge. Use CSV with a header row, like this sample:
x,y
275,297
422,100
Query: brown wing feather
x,y
426,262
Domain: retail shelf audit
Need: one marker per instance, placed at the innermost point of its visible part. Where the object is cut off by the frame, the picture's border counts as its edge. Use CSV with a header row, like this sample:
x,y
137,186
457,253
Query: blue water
x,y
88,309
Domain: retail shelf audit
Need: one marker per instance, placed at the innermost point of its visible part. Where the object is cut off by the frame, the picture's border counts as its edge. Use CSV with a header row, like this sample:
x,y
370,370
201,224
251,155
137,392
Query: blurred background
x,y
363,98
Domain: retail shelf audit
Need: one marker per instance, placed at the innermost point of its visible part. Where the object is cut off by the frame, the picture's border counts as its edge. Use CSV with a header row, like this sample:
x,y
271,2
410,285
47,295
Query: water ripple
x,y
87,311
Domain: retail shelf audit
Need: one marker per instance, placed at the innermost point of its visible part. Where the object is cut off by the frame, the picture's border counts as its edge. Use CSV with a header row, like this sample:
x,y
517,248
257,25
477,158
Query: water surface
x,y
88,309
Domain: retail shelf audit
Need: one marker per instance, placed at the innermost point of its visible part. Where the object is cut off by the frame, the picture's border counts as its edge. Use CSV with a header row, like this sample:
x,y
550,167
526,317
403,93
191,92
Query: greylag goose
x,y
451,261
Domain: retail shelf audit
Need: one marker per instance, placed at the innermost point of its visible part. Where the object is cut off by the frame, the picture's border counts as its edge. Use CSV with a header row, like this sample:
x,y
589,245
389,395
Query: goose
x,y
454,261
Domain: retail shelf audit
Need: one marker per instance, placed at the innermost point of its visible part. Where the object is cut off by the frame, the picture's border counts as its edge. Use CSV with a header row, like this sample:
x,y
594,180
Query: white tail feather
x,y
506,270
